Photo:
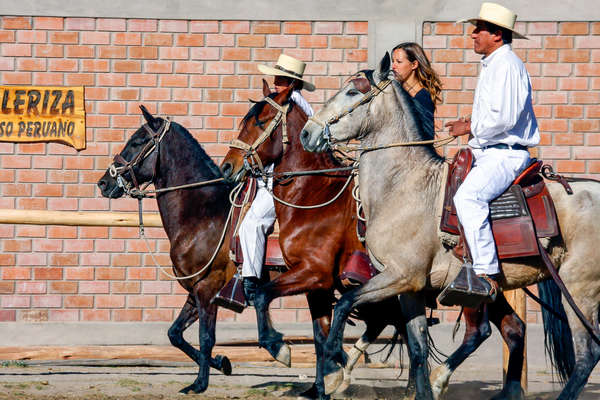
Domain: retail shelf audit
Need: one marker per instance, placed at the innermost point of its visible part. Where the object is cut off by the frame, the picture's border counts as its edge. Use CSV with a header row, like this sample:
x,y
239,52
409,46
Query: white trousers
x,y
492,173
253,231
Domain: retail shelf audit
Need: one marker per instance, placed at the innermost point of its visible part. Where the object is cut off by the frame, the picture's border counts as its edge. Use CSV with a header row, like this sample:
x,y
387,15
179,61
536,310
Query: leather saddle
x,y
358,270
273,256
523,213
231,296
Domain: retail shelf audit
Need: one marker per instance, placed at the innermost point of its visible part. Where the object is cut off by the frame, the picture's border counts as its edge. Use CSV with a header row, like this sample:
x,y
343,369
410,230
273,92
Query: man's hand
x,y
460,127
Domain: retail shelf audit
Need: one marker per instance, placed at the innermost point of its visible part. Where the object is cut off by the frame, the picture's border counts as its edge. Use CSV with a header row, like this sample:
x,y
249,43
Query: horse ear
x,y
384,66
266,90
147,116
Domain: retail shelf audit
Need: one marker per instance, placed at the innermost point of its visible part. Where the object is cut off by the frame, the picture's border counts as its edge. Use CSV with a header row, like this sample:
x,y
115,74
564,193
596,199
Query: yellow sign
x,y
43,114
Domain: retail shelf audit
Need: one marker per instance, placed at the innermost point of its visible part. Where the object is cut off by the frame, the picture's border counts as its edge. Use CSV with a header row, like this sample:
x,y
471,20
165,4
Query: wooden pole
x,y
516,298
77,218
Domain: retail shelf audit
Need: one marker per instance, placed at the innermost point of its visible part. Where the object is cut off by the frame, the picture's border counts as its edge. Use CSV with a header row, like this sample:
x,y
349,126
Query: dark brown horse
x,y
191,217
315,242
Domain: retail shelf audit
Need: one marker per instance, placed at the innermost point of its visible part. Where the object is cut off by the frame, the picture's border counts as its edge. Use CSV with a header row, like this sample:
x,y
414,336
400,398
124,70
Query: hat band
x,y
288,71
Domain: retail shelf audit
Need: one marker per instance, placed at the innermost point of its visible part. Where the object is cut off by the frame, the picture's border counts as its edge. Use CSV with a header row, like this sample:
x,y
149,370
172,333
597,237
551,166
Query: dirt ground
x,y
50,380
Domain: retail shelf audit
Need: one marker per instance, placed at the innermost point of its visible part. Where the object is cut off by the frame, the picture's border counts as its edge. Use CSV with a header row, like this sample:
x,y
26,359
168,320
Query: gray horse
x,y
400,189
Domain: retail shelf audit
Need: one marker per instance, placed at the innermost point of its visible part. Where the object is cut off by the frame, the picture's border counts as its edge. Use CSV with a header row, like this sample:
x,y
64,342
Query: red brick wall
x,y
200,72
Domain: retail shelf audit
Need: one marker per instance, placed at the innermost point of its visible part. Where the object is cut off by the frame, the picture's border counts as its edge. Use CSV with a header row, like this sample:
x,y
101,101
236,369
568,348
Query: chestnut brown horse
x,y
191,217
315,242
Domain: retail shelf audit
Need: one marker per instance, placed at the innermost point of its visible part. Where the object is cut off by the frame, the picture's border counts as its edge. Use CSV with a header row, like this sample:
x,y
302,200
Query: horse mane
x,y
413,118
257,108
197,150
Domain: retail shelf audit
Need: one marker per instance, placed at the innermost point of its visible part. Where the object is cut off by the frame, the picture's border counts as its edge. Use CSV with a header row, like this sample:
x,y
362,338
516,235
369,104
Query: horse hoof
x,y
439,381
193,388
285,355
333,381
224,364
345,383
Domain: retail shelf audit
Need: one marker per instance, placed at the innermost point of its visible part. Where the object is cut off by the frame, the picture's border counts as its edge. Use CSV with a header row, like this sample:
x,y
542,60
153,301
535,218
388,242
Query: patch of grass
x,y
13,363
257,392
130,384
17,385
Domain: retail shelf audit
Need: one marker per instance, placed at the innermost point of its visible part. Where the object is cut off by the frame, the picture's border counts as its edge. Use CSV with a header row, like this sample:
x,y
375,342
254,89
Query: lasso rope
x,y
315,205
235,190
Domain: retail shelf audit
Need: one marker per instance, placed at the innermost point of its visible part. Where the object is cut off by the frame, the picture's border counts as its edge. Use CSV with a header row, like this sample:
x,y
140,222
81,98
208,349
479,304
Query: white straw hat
x,y
497,15
289,67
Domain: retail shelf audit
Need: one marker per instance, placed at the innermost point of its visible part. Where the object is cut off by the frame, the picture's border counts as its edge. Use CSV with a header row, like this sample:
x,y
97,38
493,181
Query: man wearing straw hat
x,y
260,218
502,126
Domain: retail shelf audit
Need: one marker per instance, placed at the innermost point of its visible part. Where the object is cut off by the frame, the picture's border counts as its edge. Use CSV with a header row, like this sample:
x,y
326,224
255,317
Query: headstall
x,y
120,166
369,89
252,161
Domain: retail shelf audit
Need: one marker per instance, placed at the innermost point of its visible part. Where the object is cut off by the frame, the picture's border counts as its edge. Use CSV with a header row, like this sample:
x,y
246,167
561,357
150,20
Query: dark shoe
x,y
251,283
469,290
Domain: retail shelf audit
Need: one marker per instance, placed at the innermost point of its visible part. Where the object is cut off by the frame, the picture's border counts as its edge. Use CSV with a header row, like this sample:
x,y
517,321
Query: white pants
x,y
253,231
493,172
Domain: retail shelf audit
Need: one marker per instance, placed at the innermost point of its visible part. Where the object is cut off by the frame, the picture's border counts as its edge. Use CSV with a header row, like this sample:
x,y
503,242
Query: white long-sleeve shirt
x,y
302,103
502,108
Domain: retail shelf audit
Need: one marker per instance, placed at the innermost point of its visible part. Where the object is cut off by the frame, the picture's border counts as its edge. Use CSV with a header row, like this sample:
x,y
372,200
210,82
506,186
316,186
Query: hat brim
x,y
516,35
276,72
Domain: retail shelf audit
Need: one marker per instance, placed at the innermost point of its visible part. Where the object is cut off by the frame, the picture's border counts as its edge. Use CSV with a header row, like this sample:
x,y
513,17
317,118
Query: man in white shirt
x,y
502,127
260,218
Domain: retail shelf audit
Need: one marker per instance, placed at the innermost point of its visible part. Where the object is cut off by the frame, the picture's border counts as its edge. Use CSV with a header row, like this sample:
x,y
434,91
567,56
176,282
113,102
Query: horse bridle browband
x,y
252,160
373,91
120,166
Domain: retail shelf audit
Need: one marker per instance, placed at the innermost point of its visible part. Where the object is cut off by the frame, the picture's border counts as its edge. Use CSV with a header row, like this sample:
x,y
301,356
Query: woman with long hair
x,y
413,69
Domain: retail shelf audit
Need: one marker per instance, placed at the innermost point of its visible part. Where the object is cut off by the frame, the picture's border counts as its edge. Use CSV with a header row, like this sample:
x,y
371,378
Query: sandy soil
x,y
249,381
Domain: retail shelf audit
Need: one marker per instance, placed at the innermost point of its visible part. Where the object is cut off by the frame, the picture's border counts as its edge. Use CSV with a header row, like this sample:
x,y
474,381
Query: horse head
x,y
262,139
135,165
346,115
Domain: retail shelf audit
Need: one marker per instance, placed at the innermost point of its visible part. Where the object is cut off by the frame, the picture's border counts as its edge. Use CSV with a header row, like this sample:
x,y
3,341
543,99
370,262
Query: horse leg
x,y
512,329
382,286
375,325
477,331
587,349
413,309
296,281
187,316
320,310
207,317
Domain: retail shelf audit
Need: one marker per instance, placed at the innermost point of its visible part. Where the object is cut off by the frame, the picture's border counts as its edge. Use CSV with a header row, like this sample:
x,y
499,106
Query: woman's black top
x,y
425,109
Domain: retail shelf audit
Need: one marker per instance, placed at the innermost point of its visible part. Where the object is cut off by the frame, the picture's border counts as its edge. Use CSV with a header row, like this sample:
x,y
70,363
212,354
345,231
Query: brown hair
x,y
426,75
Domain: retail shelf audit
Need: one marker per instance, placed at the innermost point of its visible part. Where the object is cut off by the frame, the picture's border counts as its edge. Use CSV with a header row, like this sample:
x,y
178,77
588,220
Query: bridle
x,y
252,161
120,166
366,85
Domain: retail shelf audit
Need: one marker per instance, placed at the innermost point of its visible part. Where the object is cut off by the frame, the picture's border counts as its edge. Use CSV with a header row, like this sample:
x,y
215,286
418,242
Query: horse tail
x,y
395,340
558,340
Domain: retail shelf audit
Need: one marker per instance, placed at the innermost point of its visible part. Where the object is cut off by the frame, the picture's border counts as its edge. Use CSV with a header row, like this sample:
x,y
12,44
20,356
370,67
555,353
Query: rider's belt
x,y
505,146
